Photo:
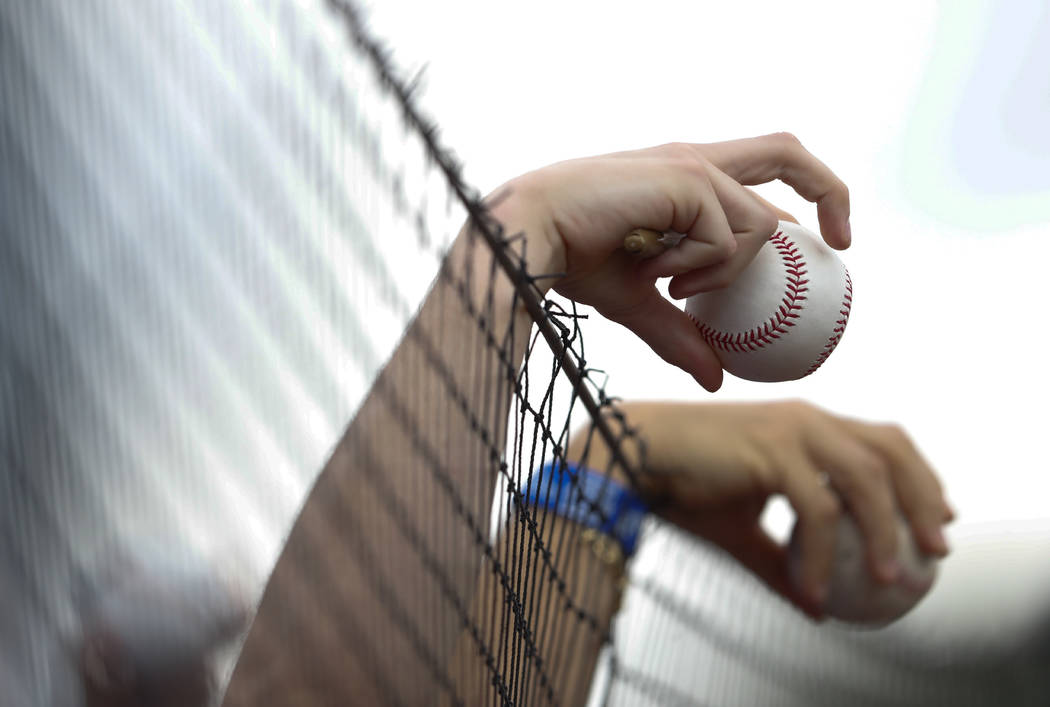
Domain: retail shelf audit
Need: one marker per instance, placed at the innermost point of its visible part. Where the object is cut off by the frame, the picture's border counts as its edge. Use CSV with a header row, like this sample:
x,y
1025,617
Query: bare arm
x,y
374,589
377,576
569,624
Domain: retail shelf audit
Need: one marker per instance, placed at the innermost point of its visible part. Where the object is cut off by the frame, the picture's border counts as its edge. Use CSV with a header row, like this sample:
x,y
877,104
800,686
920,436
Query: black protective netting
x,y
221,222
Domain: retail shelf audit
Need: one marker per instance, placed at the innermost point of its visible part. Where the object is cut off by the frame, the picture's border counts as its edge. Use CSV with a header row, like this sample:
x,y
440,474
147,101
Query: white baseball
x,y
854,595
784,314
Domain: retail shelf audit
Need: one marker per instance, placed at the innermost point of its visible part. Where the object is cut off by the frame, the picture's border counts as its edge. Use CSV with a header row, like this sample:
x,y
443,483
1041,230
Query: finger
x,y
697,151
781,156
734,527
690,254
764,556
818,509
672,335
919,492
862,479
709,239
781,214
703,280
752,222
748,216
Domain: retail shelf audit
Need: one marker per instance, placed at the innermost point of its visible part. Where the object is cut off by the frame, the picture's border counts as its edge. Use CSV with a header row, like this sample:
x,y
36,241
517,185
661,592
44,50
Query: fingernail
x,y
849,232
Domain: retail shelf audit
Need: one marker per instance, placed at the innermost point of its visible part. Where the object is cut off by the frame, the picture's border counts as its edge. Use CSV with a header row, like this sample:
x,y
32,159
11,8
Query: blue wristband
x,y
590,499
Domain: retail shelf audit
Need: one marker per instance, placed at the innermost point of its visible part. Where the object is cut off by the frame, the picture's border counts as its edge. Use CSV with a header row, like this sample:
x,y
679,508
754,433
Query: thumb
x,y
672,335
756,550
735,527
761,554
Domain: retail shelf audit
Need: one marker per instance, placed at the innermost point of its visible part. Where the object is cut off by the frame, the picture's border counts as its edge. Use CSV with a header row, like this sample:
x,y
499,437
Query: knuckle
x,y
839,191
894,433
528,186
693,167
787,141
681,151
725,248
826,509
797,409
894,436
874,469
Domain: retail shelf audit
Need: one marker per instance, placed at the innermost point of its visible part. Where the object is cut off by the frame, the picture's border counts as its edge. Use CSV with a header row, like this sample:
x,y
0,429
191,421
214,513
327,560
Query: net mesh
x,y
228,231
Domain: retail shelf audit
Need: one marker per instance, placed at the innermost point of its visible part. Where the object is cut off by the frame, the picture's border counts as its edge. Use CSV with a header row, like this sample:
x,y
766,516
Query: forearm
x,y
569,598
375,582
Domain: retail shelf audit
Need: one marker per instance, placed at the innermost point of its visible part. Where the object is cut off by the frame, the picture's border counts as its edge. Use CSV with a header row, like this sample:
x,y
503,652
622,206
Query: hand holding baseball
x,y
579,212
718,465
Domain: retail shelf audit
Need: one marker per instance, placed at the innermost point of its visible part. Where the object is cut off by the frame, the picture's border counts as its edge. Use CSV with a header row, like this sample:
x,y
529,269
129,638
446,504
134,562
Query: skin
x,y
582,209
714,466
719,464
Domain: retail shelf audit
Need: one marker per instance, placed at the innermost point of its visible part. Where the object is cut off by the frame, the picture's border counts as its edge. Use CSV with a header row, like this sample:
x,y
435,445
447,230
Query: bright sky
x,y
934,115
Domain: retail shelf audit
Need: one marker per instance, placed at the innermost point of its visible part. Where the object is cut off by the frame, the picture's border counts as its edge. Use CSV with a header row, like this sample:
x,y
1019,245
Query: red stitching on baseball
x,y
794,295
840,326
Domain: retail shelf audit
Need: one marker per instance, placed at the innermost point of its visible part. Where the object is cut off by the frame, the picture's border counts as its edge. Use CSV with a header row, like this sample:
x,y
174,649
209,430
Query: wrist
x,y
520,206
655,424
643,418
589,498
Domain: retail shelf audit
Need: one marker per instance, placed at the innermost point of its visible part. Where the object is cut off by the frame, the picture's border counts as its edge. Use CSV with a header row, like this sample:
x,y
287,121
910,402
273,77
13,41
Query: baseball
x,y
785,313
855,596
